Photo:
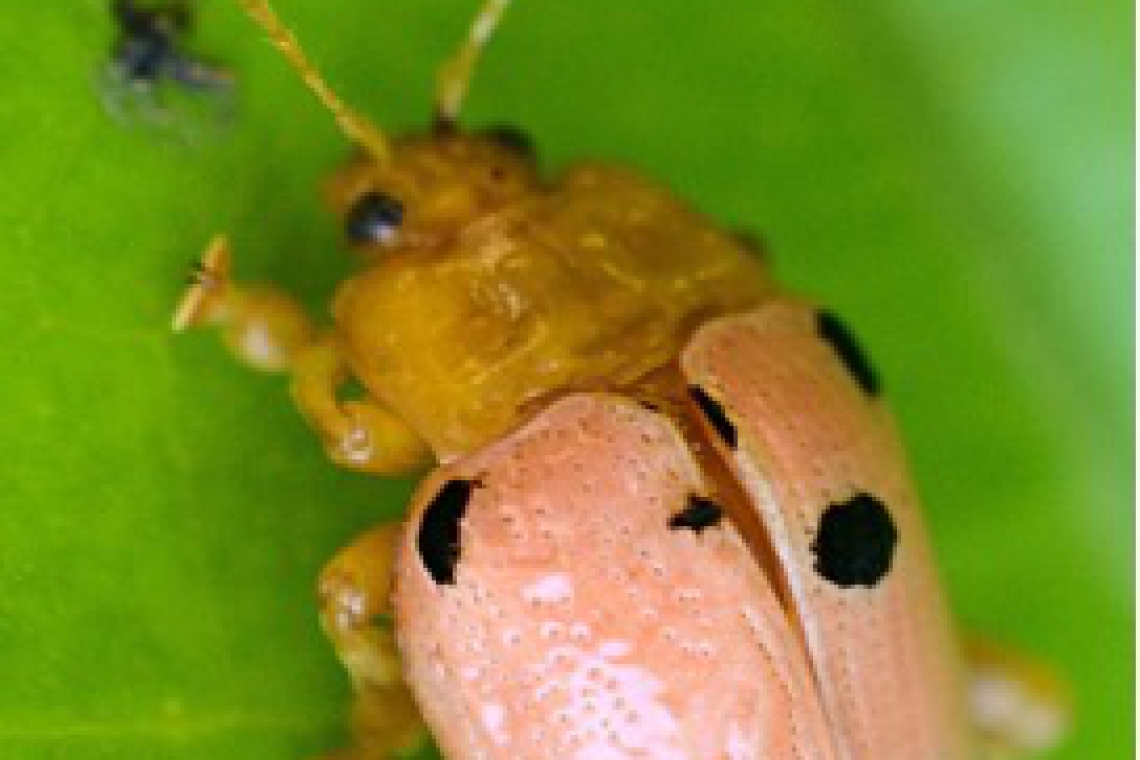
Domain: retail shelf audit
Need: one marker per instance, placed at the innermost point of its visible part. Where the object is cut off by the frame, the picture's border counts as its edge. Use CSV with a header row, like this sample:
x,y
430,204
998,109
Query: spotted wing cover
x,y
570,593
793,406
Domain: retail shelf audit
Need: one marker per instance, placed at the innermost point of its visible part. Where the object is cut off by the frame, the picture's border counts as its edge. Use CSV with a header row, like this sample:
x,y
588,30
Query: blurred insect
x,y
670,518
148,54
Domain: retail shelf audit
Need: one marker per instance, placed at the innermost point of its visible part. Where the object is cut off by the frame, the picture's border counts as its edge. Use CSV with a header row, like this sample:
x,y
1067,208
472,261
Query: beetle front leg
x,y
356,615
261,325
358,434
269,330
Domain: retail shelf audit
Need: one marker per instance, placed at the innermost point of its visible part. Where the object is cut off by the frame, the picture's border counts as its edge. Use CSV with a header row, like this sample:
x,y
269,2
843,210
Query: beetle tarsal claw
x,y
208,280
355,447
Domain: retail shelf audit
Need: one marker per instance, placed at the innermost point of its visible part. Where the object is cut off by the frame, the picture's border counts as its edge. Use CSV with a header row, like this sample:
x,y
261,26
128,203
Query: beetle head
x,y
424,189
431,187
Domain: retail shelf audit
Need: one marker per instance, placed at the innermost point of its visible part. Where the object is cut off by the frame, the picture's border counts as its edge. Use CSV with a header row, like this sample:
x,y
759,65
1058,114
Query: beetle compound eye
x,y
855,542
836,334
438,537
374,218
699,513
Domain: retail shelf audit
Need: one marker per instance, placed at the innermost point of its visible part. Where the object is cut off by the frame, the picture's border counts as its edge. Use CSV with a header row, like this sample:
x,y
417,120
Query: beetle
x,y
670,516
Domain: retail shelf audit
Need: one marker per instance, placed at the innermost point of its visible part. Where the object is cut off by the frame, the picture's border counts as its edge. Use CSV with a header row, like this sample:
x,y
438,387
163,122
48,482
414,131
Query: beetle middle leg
x,y
354,589
269,330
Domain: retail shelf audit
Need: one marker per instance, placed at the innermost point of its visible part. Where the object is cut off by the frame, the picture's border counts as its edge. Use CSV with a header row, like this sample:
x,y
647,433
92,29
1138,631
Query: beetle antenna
x,y
354,126
455,76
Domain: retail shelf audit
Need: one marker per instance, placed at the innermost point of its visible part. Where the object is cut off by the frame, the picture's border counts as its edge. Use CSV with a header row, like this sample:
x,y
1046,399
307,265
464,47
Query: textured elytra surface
x,y
918,165
819,460
580,623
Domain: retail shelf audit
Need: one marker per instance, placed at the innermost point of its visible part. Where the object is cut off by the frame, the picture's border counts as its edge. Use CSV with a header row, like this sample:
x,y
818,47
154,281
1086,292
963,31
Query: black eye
x,y
373,218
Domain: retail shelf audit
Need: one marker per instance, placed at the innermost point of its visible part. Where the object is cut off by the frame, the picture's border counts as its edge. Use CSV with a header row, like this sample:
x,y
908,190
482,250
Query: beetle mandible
x,y
670,518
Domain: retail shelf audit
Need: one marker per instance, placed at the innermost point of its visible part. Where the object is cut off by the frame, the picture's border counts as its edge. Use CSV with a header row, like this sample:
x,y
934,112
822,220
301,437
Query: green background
x,y
954,176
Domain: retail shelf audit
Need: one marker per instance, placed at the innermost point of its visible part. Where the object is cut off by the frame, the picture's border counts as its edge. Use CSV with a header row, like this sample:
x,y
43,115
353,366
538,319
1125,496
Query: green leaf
x,y
953,176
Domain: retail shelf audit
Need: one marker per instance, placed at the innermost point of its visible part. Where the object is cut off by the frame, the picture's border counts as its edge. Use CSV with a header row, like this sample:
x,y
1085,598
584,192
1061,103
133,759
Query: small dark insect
x,y
149,52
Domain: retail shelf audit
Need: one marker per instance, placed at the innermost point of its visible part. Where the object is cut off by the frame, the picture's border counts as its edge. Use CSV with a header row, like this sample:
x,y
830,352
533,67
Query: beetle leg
x,y
267,329
356,615
1017,706
358,434
261,325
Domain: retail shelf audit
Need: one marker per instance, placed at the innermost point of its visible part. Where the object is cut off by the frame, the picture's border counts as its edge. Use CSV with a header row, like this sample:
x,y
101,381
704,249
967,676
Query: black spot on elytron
x,y
513,139
438,537
373,218
714,413
855,542
847,349
698,514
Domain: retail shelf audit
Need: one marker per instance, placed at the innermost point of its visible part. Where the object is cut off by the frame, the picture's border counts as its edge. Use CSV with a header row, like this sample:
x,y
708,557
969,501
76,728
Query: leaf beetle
x,y
669,517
